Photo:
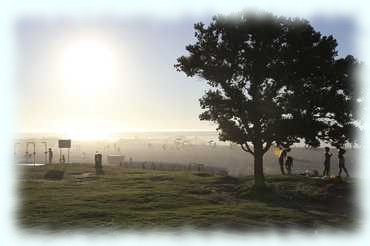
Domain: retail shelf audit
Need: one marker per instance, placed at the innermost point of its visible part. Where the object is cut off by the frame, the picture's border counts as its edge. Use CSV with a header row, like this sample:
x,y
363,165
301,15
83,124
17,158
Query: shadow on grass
x,y
302,193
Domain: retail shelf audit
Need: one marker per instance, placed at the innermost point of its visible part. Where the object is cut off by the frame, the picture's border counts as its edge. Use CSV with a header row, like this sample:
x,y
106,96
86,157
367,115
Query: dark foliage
x,y
272,80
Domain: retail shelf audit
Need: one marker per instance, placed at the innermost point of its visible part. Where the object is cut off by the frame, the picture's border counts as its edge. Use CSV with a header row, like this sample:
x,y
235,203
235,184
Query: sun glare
x,y
80,130
87,135
86,70
87,65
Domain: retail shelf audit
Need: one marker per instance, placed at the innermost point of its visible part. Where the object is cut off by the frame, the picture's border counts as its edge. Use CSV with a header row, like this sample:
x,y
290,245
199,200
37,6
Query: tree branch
x,y
267,147
247,148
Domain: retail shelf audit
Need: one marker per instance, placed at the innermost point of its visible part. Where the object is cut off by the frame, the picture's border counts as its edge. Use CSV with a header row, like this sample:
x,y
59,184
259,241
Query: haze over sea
x,y
181,148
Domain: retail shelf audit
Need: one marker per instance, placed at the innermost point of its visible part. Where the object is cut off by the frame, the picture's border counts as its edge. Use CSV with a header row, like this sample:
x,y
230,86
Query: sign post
x,y
46,151
64,144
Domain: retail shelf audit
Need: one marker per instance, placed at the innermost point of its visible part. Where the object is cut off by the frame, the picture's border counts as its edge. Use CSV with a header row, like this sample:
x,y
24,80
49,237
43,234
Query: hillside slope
x,y
159,200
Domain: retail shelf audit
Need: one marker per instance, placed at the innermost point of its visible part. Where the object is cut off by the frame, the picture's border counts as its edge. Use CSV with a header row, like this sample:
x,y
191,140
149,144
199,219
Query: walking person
x,y
327,162
342,166
289,164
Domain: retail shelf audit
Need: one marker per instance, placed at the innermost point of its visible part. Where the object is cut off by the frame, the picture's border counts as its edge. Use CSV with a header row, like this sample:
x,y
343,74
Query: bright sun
x,y
87,69
87,65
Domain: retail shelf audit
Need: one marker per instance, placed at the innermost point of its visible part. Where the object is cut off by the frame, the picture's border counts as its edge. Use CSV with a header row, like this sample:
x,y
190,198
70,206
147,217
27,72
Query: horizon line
x,y
126,131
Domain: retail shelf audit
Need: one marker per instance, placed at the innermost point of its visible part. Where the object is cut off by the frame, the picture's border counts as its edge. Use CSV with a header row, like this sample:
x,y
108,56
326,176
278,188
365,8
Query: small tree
x,y
272,80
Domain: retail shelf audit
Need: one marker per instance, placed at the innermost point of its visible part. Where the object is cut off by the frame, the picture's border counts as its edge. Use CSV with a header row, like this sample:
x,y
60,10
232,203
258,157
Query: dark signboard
x,y
64,143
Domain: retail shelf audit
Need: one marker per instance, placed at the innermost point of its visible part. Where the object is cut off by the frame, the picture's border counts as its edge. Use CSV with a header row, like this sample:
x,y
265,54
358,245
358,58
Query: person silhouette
x,y
50,154
289,164
342,166
282,157
327,162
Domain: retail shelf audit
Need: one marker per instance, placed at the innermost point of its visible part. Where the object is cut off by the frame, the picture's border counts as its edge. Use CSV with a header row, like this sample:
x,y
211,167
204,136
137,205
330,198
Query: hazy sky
x,y
136,87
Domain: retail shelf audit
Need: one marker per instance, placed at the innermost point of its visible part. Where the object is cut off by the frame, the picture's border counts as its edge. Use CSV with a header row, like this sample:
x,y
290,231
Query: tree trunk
x,y
259,178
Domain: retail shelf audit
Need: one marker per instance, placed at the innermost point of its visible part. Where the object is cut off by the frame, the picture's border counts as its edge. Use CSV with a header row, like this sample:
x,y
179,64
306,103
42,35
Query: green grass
x,y
143,199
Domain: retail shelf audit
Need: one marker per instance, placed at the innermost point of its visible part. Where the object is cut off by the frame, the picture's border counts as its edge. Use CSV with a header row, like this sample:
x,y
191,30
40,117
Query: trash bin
x,y
98,164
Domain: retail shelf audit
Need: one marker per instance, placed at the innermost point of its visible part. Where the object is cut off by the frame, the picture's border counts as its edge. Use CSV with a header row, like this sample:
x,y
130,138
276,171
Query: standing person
x,y
63,159
289,164
327,162
342,163
50,154
282,156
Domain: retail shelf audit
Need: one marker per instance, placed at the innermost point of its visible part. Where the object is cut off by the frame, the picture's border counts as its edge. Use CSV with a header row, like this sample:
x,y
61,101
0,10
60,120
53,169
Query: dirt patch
x,y
202,174
160,178
54,175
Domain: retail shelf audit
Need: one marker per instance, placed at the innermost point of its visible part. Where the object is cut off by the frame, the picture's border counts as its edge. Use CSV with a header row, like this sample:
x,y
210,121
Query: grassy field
x,y
159,200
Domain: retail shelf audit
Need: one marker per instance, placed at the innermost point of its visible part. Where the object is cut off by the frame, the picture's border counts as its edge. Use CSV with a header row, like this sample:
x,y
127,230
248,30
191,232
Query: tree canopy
x,y
272,80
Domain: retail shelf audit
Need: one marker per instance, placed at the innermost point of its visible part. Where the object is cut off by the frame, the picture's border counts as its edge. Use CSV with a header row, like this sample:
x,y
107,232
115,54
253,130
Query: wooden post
x,y
34,154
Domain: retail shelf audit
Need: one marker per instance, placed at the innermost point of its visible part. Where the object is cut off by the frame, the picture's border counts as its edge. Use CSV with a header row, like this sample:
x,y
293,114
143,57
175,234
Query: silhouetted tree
x,y
271,80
